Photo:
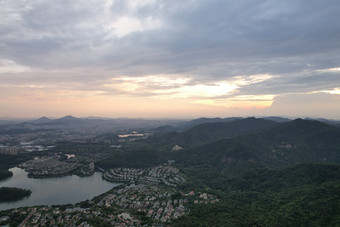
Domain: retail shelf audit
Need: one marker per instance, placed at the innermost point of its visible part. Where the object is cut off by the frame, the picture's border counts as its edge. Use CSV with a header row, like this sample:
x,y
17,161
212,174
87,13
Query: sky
x,y
170,59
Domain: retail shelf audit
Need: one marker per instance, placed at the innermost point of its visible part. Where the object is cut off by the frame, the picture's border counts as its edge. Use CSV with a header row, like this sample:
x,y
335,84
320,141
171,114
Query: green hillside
x,y
298,141
211,132
303,195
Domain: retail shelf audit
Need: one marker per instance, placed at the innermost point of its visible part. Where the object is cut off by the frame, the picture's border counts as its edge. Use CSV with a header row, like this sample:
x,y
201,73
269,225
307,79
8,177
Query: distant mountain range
x,y
178,125
64,120
187,134
204,120
80,124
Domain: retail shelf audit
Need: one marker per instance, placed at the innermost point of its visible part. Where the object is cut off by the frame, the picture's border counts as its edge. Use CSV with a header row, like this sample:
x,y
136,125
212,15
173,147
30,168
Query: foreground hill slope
x,y
303,195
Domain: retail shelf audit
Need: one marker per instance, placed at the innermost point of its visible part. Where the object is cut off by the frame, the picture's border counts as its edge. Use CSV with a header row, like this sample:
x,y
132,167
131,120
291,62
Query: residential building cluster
x,y
23,147
166,174
154,201
76,217
29,147
41,137
11,150
123,206
50,166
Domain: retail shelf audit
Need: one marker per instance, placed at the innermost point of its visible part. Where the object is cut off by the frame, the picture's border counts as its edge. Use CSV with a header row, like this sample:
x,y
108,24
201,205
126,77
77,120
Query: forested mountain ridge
x,y
288,143
210,132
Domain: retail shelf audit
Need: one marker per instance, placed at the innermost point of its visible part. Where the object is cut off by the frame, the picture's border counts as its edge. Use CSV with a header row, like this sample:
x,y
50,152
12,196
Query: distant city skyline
x,y
170,59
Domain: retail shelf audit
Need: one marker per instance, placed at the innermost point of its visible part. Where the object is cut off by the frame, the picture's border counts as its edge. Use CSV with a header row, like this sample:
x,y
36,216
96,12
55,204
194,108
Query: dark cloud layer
x,y
197,32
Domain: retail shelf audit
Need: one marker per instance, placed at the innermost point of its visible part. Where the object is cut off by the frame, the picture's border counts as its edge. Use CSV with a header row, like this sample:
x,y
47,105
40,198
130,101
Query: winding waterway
x,y
55,191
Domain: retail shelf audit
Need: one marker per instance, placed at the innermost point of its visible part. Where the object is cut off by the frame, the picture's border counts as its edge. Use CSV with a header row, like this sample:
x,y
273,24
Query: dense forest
x,y
8,194
4,174
9,161
304,195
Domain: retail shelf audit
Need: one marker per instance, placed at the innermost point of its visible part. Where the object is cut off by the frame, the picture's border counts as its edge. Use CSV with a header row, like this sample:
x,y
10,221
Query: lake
x,y
55,191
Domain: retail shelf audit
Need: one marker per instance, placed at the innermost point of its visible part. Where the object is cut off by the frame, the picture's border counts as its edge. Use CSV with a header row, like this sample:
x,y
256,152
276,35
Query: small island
x,y
8,194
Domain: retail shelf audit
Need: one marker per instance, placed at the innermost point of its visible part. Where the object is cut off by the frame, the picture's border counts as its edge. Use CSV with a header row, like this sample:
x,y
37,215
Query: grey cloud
x,y
242,38
208,40
294,84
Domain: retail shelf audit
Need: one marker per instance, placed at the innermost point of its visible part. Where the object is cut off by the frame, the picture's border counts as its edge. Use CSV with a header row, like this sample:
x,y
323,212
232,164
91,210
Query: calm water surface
x,y
55,191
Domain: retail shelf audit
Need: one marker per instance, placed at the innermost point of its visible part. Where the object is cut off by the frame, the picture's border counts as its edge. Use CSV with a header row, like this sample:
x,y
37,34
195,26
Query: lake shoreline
x,y
70,189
